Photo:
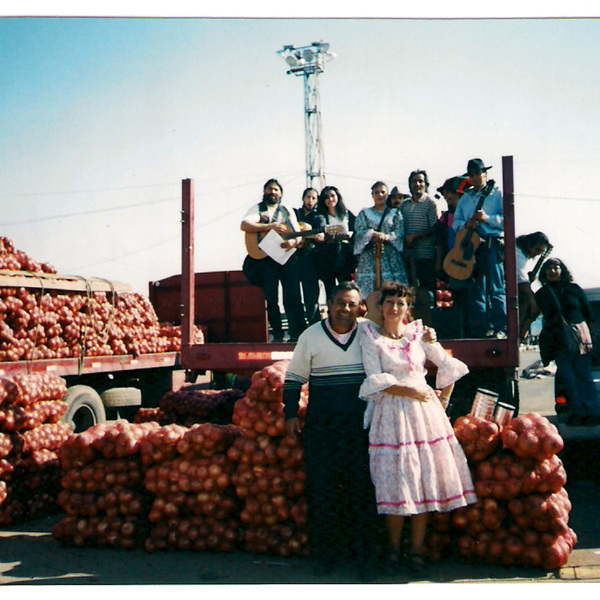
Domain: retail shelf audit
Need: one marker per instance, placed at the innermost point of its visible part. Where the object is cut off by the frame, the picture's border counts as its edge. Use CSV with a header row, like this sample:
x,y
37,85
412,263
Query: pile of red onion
x,y
13,259
270,476
36,325
189,474
31,434
522,512
103,491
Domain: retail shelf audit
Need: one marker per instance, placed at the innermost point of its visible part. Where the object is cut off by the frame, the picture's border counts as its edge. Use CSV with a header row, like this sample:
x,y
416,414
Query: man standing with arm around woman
x,y
342,517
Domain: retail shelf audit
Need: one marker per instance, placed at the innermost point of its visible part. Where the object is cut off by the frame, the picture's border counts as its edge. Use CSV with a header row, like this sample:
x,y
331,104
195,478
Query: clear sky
x,y
102,118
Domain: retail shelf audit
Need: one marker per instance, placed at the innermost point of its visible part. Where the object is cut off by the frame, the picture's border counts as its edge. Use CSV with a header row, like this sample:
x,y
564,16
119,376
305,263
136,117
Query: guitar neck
x,y
538,265
307,233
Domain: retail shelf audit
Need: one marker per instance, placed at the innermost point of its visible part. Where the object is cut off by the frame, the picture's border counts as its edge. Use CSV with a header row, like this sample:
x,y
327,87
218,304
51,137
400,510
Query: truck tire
x,y
119,397
84,408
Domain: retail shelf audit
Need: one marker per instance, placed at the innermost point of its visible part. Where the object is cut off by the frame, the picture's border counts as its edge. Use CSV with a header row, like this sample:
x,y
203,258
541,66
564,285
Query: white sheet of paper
x,y
271,245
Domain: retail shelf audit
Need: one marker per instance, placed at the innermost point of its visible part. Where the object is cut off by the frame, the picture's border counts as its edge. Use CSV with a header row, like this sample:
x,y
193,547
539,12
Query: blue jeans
x,y
576,373
486,295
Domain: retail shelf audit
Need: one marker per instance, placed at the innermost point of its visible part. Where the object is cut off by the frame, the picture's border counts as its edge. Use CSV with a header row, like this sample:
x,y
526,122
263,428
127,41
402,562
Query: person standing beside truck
x,y
342,516
487,294
560,299
270,214
528,247
416,462
309,279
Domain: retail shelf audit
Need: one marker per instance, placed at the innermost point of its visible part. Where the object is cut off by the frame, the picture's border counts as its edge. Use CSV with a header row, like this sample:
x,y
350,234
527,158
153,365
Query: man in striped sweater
x,y
342,515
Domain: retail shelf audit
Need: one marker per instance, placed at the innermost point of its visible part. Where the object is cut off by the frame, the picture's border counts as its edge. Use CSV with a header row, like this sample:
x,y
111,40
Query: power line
x,y
92,191
87,212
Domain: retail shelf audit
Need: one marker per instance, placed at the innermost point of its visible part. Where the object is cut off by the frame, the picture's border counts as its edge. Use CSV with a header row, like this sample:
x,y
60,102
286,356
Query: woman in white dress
x,y
416,462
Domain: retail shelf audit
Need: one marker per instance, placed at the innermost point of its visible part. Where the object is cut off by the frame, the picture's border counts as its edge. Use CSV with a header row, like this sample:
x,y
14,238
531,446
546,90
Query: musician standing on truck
x,y
309,279
487,298
270,214
420,217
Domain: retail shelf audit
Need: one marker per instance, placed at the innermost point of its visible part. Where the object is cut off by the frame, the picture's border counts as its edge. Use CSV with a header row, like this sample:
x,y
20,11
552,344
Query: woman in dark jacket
x,y
559,295
335,260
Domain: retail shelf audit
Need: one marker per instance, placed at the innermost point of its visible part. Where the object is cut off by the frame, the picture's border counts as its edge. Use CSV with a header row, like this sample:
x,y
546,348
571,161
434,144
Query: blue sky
x,y
101,119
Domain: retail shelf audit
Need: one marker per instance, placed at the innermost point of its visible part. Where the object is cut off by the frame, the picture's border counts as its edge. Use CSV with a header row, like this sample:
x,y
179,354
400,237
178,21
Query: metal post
x,y
188,287
308,62
510,262
312,123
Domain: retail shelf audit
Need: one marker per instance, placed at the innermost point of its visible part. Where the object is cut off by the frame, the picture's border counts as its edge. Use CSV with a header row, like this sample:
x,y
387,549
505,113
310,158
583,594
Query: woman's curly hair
x,y
565,274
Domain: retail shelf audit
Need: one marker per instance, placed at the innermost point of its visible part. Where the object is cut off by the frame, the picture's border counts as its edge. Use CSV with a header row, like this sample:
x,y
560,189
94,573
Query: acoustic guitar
x,y
373,307
526,317
460,260
253,239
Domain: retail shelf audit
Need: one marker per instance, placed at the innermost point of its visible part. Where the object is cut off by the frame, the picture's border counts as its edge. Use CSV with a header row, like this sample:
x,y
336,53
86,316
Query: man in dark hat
x,y
396,197
452,190
487,310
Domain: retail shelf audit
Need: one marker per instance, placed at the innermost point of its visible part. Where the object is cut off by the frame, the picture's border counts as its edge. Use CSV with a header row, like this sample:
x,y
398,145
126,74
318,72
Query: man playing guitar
x,y
270,214
487,298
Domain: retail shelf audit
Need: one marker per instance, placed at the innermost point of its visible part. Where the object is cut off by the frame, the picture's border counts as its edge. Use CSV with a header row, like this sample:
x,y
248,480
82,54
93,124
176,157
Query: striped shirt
x,y
334,372
420,216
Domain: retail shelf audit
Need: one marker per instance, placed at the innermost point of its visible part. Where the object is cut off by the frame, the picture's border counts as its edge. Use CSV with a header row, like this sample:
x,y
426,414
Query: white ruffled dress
x,y
417,464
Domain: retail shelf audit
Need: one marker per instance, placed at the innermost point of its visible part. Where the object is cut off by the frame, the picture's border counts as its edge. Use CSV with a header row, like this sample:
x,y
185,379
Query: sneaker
x,y
490,334
500,335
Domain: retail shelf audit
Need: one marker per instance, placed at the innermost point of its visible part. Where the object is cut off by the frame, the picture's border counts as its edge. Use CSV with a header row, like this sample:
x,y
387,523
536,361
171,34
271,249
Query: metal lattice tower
x,y
308,62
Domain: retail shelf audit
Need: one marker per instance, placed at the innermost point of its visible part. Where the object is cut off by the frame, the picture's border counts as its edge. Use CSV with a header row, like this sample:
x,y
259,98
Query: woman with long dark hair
x,y
560,298
334,256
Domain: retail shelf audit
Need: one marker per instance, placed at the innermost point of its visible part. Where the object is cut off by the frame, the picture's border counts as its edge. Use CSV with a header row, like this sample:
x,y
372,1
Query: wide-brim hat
x,y
459,184
475,165
396,192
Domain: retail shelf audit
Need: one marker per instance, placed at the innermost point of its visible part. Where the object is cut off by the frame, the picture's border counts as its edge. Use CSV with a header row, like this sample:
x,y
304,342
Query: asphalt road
x,y
29,555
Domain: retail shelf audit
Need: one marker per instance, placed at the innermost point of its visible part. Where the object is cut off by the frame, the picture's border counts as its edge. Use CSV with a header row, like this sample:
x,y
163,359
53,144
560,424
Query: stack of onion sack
x,y
103,491
521,516
189,407
36,325
170,337
188,472
270,476
31,434
13,259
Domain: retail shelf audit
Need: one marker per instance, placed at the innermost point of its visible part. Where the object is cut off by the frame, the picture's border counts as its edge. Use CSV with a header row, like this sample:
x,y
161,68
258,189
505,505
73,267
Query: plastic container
x,y
484,404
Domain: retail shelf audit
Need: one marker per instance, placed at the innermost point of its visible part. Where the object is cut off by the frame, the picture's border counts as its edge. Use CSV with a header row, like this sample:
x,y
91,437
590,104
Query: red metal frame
x,y
477,353
91,364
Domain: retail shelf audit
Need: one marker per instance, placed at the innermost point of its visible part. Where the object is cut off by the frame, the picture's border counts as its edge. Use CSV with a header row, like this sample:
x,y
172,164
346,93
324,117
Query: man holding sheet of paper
x,y
273,256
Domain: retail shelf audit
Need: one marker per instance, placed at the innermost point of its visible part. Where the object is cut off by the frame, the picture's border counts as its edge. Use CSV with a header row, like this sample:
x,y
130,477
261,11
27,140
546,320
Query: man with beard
x,y
269,214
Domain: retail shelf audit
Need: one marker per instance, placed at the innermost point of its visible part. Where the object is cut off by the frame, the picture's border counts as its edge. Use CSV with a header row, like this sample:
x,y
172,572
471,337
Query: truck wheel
x,y
84,408
119,397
